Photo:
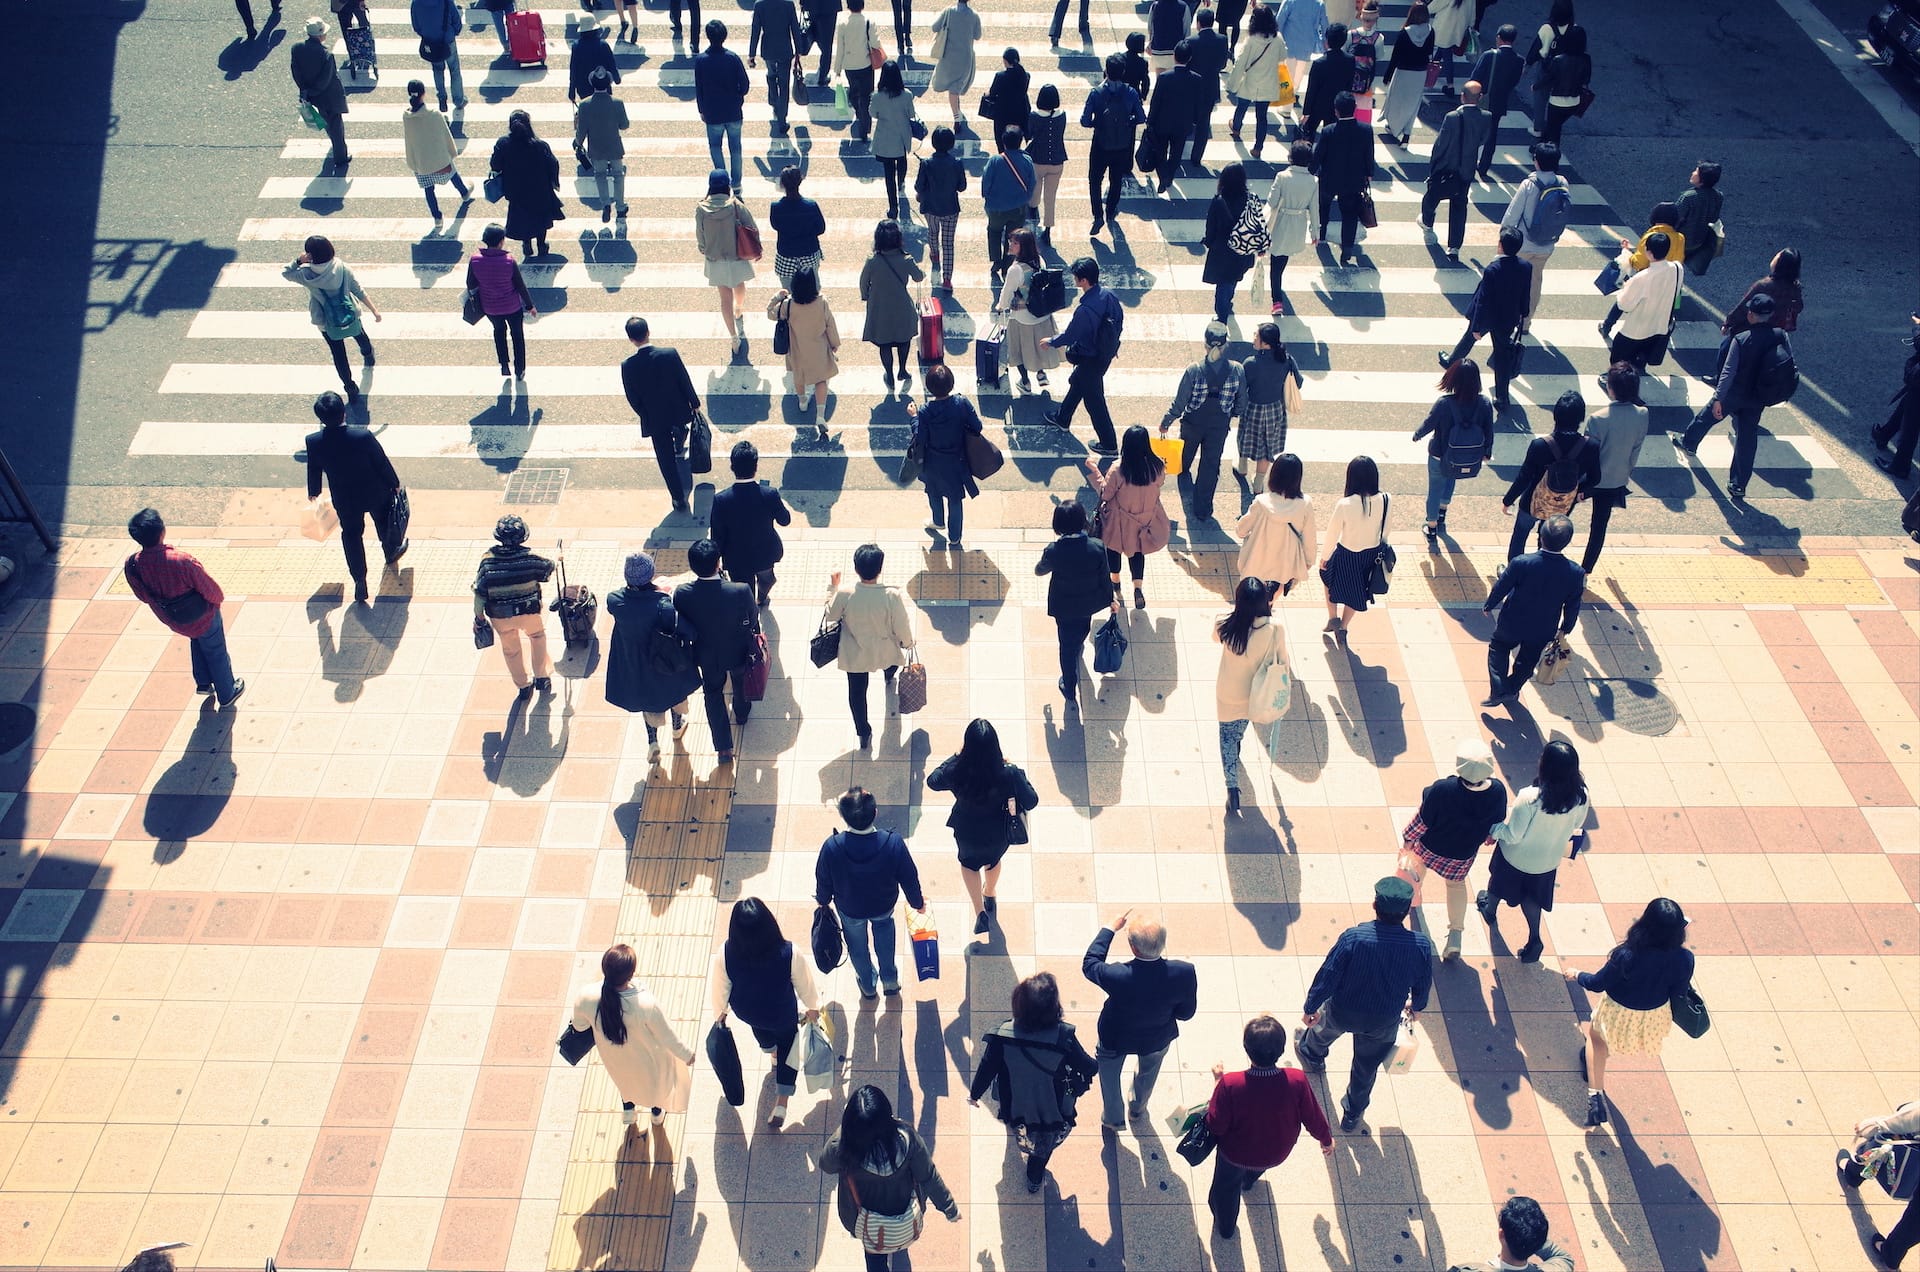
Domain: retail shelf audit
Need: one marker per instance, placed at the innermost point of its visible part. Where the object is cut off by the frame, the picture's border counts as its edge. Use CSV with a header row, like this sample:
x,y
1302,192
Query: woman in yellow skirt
x,y
1636,986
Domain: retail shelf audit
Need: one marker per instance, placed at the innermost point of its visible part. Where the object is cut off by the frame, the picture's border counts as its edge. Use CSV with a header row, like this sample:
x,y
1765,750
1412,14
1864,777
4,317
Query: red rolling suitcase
x,y
933,331
526,39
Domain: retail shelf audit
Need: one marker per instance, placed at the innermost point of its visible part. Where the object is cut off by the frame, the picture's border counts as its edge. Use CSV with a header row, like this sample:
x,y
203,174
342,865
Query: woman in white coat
x,y
876,631
1532,842
1290,205
646,1060
430,150
1452,19
1248,638
1254,79
1277,536
955,32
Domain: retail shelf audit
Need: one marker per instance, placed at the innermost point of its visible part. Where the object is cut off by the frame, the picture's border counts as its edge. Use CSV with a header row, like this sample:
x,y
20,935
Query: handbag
x,y
918,128
1017,832
699,443
318,520
573,1044
1553,660
925,939
492,188
470,310
1196,1138
188,607
798,91
818,1060
984,459
914,460
1896,1164
311,116
1610,278
782,332
1109,648
1271,692
753,677
1369,217
910,683
1719,232
746,239
829,941
883,1234
1290,392
434,50
482,632
1690,1012
825,645
723,1055
988,107
1384,558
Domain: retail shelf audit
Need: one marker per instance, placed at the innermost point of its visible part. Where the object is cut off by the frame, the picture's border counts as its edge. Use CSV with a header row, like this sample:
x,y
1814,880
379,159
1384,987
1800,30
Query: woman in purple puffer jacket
x,y
495,276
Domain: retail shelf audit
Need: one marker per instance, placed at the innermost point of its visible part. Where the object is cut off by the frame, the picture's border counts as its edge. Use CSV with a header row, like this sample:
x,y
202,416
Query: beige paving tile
x,y
243,1226
28,1223
126,1159
398,1233
201,1159
172,1216
52,1157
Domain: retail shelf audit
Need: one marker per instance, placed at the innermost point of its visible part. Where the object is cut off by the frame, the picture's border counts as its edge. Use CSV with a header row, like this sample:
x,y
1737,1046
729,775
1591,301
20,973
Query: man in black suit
x,y
724,623
1343,160
1179,102
1210,55
742,522
1078,587
1147,997
1541,594
776,34
1327,78
360,478
1499,71
661,393
1450,166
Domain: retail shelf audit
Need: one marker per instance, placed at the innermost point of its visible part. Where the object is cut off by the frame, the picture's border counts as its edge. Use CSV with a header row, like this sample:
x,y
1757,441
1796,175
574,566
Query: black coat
x,y
943,425
632,683
1207,58
317,77
1326,79
1223,264
1179,102
359,475
588,56
658,388
776,33
1011,105
724,619
1541,591
1498,71
1343,157
1077,583
742,524
530,180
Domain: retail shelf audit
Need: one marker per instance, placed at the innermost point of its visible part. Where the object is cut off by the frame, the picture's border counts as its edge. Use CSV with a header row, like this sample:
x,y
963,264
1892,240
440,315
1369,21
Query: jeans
x,y
433,203
533,629
449,68
1440,484
1230,1179
515,324
1114,165
1223,299
884,949
949,512
1259,120
1523,523
998,223
1088,382
1232,733
731,131
779,87
1206,442
614,172
1504,679
500,26
1145,1075
1601,503
781,1040
940,234
1136,564
1455,193
857,698
713,685
338,348
211,663
675,469
1072,636
1746,439
1349,216
1372,1042
893,170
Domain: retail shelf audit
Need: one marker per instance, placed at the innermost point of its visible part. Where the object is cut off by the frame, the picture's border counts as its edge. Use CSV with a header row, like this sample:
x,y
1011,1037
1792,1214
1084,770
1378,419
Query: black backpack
x,y
1106,338
667,654
1775,376
1113,125
1046,292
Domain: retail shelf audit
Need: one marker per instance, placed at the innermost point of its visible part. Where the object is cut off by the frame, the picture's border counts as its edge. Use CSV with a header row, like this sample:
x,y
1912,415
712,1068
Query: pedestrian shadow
x,y
1066,753
1685,1227
364,645
1300,742
1628,1249
607,255
639,1182
741,396
244,55
1368,705
1251,839
1119,272
526,752
502,434
792,151
433,256
189,796
1483,1054
1366,1170
816,468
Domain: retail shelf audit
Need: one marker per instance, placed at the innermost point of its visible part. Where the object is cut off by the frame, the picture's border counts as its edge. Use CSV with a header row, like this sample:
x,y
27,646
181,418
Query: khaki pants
x,y
1046,187
534,628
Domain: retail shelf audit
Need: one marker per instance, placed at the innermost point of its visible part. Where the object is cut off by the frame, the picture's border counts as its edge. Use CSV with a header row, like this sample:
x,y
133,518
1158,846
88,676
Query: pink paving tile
x,y
1362,829
540,978
273,819
72,865
404,976
81,651
145,730
393,821
1893,928
521,1036
1843,830
108,915
323,1231
366,1095
1648,1099
1821,701
1803,664
1849,742
562,873
1782,628
1875,785
1907,867
1903,592
507,1098
437,871
1663,830
119,773
231,919
463,777
1520,1165
1205,929
491,1164
360,921
345,1161
1721,829
485,923
296,920
169,917
35,816
1573,883
331,821
105,617
589,780
1901,661
1834,928
1778,829
386,1032
475,1233
1770,930
603,917
513,825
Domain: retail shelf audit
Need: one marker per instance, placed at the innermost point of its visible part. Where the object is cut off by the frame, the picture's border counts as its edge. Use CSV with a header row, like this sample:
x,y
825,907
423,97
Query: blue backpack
x,y
1552,213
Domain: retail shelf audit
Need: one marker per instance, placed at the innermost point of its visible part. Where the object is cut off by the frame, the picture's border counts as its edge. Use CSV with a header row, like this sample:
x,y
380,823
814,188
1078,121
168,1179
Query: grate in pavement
x,y
536,486
16,725
1634,705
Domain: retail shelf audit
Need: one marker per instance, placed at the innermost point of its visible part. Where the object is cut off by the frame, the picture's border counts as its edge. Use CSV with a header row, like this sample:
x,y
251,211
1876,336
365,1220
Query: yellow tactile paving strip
x,y
438,571
617,1196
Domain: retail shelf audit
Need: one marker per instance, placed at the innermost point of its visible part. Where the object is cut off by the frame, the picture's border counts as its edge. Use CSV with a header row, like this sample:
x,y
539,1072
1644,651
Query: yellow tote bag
x,y
1169,449
1284,98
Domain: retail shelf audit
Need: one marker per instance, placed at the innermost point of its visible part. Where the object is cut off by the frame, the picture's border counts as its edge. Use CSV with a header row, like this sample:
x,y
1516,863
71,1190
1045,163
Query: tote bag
x,y
883,1234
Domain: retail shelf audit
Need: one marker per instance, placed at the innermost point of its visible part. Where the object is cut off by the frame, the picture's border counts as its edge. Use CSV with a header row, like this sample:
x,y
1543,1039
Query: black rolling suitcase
x,y
578,608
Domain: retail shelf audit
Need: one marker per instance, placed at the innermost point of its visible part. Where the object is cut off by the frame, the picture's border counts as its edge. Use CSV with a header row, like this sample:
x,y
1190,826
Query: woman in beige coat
x,y
430,149
1277,536
1132,522
1248,639
876,630
814,338
646,1060
716,232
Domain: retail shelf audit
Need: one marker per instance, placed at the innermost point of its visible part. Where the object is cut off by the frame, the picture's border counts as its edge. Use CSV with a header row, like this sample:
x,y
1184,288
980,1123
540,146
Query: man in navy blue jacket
x,y
1498,308
1092,341
1147,997
861,872
1499,71
720,87
742,523
776,34
1538,594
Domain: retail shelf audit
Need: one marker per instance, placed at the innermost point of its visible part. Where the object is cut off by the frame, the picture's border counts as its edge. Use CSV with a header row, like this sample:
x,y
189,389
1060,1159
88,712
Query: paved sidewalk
x,y
285,980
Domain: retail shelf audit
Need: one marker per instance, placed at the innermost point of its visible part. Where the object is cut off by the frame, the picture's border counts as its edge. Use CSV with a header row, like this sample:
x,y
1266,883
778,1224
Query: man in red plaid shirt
x,y
184,597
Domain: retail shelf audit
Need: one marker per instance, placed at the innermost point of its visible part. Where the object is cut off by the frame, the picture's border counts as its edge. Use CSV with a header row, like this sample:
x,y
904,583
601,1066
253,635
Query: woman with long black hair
x,y
1636,989
1533,839
1356,536
530,179
989,794
763,978
886,1171
646,1060
1132,520
1248,638
1225,266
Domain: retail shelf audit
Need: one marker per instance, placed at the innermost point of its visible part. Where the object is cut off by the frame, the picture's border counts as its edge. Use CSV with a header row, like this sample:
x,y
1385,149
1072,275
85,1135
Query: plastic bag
x,y
318,521
818,1060
1405,1048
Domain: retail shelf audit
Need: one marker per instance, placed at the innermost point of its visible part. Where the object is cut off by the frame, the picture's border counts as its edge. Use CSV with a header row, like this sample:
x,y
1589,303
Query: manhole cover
x,y
16,725
536,485
1634,705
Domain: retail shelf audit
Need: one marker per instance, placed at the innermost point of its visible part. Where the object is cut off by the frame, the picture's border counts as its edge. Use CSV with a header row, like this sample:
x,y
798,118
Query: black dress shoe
x,y
1885,464
1349,1121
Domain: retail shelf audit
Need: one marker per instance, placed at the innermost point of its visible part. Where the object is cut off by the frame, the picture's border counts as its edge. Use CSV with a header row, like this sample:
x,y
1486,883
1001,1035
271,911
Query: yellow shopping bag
x,y
1169,449
1284,98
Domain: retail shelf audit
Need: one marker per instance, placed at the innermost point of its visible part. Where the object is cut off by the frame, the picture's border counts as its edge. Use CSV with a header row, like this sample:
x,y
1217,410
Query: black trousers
x,y
514,324
693,9
1349,217
666,450
1455,193
902,23
820,31
1485,166
1904,1234
1276,270
1060,19
857,697
1088,382
337,134
1601,504
1136,564
1510,663
353,539
761,581
1230,1180
779,86
1502,342
1902,431
1114,165
784,1075
1072,635
1205,442
860,97
713,685
338,348
1176,144
894,170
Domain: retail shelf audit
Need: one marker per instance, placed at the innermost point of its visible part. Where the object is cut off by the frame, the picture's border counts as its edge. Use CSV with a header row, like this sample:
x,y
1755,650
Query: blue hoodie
x,y
862,873
436,19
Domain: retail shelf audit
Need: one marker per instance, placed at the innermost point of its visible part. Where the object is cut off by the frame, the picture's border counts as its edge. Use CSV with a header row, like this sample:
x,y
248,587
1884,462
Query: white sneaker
x,y
1452,950
629,1115
803,404
653,752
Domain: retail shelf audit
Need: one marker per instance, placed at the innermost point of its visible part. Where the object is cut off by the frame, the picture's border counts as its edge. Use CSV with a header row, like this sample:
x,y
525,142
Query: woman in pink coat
x,y
1132,522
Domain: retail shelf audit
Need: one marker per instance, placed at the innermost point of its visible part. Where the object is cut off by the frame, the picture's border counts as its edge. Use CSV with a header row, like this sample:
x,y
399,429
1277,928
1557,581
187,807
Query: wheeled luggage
x,y
933,331
360,55
526,39
578,608
986,355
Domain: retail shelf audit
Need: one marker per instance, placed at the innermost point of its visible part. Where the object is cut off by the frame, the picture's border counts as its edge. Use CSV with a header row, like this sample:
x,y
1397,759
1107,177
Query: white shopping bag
x,y
1406,1047
319,520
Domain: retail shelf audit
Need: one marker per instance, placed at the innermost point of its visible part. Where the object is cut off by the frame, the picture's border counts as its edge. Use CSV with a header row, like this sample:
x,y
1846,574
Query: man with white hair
x,y
1147,997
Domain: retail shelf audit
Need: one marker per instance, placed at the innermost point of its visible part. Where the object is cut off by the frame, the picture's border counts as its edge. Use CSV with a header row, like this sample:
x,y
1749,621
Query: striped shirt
x,y
1372,970
163,572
